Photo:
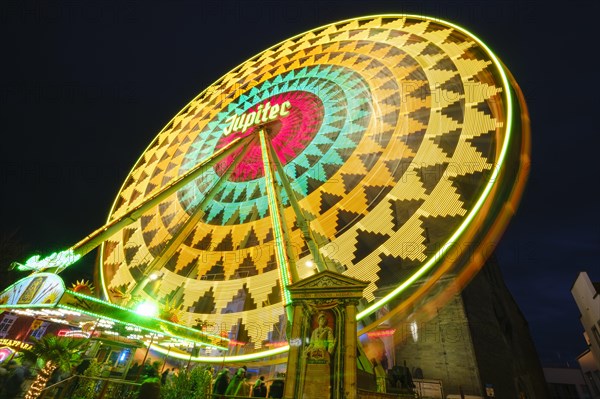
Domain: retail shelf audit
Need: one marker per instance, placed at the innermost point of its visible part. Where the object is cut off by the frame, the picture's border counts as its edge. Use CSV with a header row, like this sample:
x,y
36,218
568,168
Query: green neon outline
x,y
474,210
98,316
488,187
277,231
182,326
213,359
56,260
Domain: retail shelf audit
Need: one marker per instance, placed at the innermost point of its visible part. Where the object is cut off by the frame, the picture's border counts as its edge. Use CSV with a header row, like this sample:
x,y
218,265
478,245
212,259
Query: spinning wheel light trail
x,y
398,140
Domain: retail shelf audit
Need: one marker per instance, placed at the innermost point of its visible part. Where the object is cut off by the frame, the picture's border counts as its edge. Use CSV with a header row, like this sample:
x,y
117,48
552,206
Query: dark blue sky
x,y
84,89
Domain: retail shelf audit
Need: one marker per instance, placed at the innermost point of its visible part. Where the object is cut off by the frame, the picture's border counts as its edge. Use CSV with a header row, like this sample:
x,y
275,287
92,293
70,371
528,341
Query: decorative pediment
x,y
328,284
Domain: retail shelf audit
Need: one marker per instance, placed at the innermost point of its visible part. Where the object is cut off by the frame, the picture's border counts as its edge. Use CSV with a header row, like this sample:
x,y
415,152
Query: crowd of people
x,y
222,385
14,374
13,378
239,385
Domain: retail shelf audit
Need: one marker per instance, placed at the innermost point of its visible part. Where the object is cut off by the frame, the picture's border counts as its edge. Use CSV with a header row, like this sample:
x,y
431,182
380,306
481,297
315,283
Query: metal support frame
x,y
105,232
283,250
304,224
173,244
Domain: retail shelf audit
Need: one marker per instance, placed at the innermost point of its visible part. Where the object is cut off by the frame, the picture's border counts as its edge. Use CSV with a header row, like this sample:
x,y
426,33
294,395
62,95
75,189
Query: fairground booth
x,y
118,336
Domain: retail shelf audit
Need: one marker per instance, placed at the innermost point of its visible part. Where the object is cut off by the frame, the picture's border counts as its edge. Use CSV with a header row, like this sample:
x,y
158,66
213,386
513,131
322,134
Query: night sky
x,y
84,89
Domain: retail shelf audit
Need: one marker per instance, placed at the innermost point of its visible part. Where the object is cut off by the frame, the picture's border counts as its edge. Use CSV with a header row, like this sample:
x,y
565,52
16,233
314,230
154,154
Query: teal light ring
x,y
303,86
357,97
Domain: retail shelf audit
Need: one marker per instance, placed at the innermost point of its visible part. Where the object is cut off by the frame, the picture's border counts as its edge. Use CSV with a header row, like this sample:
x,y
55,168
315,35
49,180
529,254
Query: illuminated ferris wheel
x,y
378,147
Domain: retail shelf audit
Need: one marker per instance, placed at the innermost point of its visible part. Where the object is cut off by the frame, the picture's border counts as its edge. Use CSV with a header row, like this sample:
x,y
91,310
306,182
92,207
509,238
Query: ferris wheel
x,y
388,148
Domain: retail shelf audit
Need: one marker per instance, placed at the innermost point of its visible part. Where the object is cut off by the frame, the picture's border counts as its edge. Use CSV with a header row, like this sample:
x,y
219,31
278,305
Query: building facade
x,y
566,383
585,293
478,344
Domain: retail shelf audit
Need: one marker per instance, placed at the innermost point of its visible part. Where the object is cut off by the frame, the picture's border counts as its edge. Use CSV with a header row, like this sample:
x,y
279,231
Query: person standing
x,y
150,388
259,390
17,374
3,376
384,362
204,388
221,382
276,389
164,376
380,375
237,386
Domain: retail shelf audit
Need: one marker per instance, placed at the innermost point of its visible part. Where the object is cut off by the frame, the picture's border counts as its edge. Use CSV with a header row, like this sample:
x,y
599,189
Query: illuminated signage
x,y
32,289
11,343
36,324
58,260
381,333
263,114
5,353
279,344
77,334
40,288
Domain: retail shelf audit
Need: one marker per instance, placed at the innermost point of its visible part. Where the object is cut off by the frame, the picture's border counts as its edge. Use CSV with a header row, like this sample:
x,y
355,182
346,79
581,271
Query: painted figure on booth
x,y
322,340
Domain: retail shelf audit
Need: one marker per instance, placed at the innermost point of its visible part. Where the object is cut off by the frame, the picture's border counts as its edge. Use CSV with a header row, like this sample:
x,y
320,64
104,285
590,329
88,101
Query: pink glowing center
x,y
289,134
